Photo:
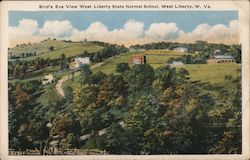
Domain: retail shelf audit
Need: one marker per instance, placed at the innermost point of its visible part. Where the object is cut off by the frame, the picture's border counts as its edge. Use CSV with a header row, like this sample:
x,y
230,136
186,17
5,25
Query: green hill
x,y
42,49
211,73
156,58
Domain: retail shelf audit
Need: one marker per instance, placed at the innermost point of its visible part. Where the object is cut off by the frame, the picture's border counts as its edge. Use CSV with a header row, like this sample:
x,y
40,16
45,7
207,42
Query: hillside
x,y
155,58
44,50
206,73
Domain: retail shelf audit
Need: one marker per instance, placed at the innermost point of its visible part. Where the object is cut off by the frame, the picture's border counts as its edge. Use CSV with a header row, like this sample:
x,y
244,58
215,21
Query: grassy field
x,y
39,48
212,73
73,50
155,60
67,48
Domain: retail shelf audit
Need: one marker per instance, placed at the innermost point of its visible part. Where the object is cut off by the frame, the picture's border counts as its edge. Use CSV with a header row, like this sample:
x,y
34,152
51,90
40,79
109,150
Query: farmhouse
x,y
78,62
221,59
138,59
48,79
180,49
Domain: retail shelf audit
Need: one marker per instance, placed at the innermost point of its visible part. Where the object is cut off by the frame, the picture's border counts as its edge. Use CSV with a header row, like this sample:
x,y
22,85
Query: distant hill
x,y
51,49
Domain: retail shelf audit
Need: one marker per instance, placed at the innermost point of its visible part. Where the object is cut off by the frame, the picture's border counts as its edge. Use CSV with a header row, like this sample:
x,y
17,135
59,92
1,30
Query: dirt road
x,y
59,88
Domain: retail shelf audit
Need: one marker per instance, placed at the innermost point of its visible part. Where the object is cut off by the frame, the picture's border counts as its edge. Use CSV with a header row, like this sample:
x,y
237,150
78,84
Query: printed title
x,y
127,6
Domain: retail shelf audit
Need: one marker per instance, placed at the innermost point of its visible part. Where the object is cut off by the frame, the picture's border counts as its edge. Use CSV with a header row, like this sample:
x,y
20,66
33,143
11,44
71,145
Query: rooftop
x,y
223,57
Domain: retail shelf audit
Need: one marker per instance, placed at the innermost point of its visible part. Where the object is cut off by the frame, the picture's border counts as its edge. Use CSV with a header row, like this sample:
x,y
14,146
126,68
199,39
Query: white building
x,y
48,79
180,49
78,62
221,59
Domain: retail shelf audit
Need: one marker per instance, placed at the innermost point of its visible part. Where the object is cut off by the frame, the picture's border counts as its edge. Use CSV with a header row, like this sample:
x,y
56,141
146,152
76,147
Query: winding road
x,y
58,86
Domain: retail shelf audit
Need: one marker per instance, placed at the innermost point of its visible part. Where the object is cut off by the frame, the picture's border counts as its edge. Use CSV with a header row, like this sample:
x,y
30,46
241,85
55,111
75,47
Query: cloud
x,y
131,29
56,28
218,33
162,31
26,31
132,32
97,28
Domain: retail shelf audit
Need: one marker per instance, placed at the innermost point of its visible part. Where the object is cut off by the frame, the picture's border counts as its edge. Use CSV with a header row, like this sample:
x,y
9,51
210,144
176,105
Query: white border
x,y
241,6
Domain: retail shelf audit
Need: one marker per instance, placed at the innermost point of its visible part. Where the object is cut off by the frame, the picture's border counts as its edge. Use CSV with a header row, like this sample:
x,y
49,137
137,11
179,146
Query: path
x,y
59,88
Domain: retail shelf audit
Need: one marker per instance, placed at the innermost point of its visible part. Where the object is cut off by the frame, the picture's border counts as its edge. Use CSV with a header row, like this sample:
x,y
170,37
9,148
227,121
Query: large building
x,y
221,59
138,59
78,62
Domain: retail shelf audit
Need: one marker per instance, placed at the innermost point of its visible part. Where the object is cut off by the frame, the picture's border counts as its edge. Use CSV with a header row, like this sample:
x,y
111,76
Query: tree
x,y
139,78
84,97
85,73
21,98
122,67
112,91
227,116
63,61
67,128
51,48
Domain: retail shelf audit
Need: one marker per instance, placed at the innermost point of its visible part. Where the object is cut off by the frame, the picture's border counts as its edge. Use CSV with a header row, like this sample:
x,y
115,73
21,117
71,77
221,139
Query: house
x,y
48,79
78,62
221,59
138,59
176,64
180,49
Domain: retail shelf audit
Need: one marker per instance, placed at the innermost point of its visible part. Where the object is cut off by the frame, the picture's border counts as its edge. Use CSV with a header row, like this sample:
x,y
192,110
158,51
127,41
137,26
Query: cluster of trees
x,y
139,110
22,68
22,55
190,59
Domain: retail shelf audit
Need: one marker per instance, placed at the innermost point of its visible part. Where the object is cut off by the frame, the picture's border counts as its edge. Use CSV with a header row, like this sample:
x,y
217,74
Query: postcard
x,y
124,80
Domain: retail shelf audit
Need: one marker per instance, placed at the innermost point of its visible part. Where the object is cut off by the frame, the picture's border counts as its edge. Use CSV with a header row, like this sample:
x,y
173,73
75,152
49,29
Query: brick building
x,y
138,59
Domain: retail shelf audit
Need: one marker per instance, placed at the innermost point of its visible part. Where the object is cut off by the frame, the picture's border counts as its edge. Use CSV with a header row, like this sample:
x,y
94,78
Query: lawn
x,y
212,73
39,48
155,60
49,96
73,50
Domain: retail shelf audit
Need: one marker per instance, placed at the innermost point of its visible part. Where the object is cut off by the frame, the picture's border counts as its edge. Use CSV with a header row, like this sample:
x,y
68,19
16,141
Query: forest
x,y
138,110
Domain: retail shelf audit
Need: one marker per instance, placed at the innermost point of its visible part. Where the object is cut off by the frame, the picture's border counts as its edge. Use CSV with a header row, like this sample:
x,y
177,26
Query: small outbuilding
x,y
48,79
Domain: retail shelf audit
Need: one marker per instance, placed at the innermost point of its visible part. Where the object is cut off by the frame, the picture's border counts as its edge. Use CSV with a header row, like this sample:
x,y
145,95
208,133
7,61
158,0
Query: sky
x,y
124,27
